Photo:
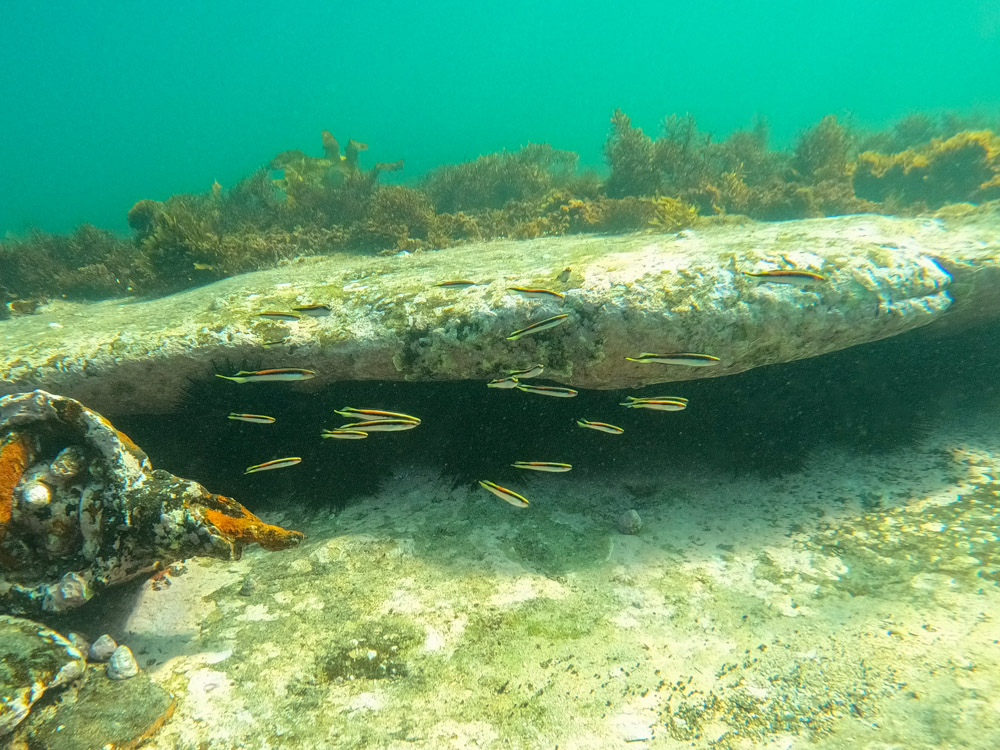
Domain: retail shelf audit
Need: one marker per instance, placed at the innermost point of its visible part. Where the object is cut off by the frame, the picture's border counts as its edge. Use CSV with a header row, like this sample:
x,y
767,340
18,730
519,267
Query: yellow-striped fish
x,y
502,383
350,411
276,315
503,493
263,376
255,418
457,284
600,426
380,425
680,358
542,325
317,310
536,292
633,399
792,276
664,404
550,466
278,463
547,390
344,434
528,372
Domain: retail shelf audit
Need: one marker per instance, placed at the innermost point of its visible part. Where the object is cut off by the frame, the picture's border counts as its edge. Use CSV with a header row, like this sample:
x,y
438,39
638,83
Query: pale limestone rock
x,y
625,295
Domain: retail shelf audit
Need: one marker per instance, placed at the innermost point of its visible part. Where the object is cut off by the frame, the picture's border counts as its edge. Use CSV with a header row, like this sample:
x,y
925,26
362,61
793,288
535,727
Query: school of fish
x,y
367,421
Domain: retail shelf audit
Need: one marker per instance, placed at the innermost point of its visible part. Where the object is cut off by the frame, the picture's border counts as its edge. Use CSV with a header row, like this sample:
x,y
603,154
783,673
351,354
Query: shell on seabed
x,y
81,508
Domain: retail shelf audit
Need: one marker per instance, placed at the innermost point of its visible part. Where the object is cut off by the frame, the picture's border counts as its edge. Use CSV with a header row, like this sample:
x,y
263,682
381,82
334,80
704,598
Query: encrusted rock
x,y
100,713
102,648
81,508
122,664
660,293
33,659
629,522
70,592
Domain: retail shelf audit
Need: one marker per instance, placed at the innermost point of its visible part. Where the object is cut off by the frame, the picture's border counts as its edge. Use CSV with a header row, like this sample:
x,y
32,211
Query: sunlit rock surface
x,y
623,294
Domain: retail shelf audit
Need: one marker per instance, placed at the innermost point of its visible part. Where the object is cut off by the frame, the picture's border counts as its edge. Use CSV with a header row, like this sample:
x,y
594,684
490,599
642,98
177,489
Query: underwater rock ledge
x,y
624,295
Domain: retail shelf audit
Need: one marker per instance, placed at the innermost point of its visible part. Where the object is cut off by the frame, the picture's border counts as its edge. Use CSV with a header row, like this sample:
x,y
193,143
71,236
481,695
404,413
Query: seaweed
x,y
672,214
254,202
683,156
630,156
962,168
823,152
494,180
94,262
301,204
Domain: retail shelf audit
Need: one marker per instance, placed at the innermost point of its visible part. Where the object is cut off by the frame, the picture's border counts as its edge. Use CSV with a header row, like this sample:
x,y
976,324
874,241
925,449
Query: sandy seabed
x,y
853,604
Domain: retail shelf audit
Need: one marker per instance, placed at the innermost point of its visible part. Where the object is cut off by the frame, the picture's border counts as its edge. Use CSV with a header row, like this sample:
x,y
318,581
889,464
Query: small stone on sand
x,y
122,664
248,587
629,522
102,648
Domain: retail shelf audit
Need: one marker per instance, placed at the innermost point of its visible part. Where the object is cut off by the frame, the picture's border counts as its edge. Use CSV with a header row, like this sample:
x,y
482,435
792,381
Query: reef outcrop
x,y
390,318
82,509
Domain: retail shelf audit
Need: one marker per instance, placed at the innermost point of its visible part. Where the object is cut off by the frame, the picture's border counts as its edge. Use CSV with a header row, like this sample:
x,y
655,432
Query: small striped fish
x,y
278,463
550,466
536,293
600,426
263,376
680,358
255,418
518,501
542,325
547,390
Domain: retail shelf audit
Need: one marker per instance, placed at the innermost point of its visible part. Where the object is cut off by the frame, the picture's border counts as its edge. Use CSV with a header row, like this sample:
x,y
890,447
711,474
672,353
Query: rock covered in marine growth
x,y
100,713
81,508
33,660
391,319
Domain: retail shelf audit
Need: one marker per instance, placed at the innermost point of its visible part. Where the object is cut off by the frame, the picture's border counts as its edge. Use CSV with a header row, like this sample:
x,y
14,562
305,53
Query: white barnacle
x,y
36,494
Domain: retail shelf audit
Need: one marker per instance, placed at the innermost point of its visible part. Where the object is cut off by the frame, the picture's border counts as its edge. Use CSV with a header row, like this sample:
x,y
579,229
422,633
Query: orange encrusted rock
x,y
241,526
82,508
14,458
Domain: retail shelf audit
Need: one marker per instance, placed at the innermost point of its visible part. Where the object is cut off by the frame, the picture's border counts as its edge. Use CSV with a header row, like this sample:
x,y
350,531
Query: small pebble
x,y
122,664
80,643
102,648
248,587
629,522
